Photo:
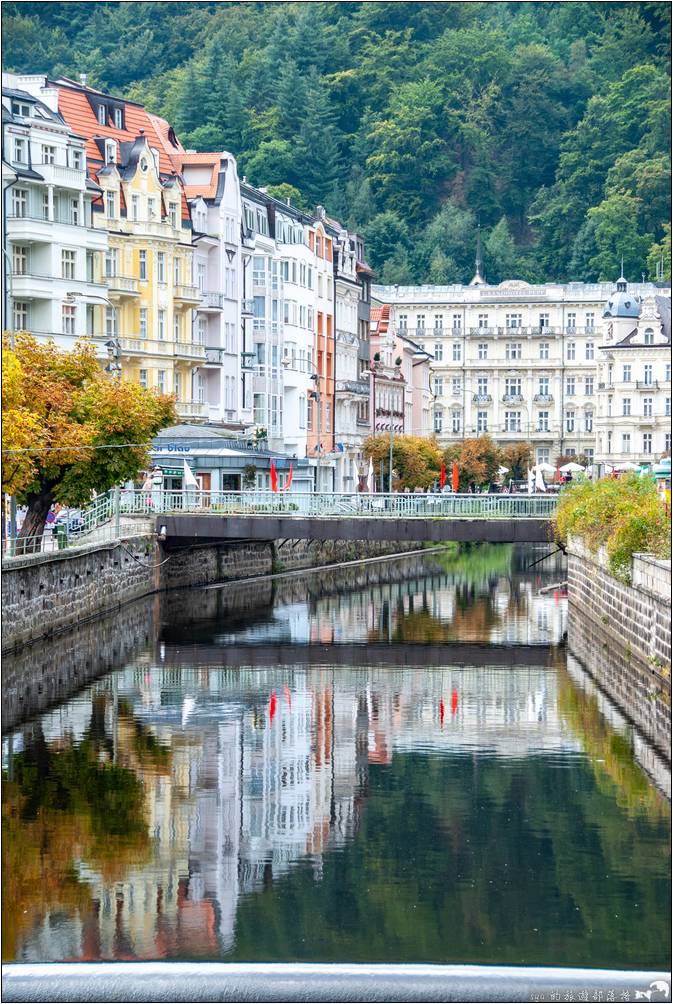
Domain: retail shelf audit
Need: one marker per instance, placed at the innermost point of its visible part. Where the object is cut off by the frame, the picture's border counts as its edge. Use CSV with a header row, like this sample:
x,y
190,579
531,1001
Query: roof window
x,y
118,118
21,108
101,114
110,151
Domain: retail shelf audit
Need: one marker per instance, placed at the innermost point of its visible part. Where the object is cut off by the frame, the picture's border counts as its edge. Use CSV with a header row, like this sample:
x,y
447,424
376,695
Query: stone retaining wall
x,y
622,635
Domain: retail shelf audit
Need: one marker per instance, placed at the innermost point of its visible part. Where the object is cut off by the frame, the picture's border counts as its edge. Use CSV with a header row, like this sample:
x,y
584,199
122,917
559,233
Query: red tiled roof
x,y
207,189
79,115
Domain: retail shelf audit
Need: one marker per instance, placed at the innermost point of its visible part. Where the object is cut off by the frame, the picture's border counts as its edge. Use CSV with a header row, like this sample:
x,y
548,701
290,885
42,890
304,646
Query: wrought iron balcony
x,y
512,398
482,399
543,398
212,301
353,387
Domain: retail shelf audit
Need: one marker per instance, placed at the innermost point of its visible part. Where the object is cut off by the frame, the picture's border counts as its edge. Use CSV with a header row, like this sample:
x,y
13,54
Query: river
x,y
390,761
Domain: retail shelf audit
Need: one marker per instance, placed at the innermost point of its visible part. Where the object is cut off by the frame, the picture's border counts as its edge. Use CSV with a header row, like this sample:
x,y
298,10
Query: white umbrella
x,y
531,481
572,466
503,470
189,481
545,467
370,475
626,466
540,486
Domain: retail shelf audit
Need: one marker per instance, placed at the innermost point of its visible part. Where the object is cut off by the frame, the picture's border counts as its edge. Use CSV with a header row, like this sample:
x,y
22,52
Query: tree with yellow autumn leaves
x,y
68,430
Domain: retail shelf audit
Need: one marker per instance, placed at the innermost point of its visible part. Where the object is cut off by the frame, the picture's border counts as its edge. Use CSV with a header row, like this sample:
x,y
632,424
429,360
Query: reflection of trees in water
x,y
68,800
610,752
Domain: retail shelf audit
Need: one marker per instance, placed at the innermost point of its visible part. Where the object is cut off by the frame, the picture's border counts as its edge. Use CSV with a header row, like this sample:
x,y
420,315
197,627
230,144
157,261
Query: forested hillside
x,y
546,123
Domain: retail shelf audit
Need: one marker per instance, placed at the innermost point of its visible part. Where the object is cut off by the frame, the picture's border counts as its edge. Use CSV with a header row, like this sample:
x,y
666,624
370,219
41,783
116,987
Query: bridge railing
x,y
376,506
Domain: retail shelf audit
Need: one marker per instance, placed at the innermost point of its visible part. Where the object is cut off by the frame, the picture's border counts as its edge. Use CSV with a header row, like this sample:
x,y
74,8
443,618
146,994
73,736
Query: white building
x,y
634,378
516,361
54,255
212,188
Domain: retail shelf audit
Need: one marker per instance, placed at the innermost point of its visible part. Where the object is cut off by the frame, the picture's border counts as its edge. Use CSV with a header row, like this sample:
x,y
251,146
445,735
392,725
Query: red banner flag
x,y
454,477
442,476
289,480
557,476
274,478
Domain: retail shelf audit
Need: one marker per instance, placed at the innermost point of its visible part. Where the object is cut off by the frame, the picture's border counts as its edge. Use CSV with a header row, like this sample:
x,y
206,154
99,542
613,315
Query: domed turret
x,y
621,302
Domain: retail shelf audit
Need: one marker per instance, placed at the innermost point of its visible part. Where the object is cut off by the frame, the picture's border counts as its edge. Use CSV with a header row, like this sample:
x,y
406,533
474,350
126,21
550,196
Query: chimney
x,y
82,79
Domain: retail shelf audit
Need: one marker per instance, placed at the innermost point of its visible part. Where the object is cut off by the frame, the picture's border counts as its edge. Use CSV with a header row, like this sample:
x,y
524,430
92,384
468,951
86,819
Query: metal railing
x,y
377,505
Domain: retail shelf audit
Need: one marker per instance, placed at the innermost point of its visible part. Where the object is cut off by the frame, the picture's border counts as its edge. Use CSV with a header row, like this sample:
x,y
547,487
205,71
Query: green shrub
x,y
625,514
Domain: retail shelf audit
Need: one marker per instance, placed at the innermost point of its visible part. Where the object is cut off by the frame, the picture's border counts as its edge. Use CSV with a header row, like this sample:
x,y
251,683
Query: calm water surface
x,y
390,762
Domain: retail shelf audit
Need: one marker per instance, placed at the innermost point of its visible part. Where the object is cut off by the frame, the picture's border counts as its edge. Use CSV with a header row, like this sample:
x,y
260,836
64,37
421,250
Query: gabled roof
x,y
207,189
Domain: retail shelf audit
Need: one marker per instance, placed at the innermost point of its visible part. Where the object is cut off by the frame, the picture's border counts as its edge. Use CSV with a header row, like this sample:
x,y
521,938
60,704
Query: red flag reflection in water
x,y
441,712
288,696
272,706
454,701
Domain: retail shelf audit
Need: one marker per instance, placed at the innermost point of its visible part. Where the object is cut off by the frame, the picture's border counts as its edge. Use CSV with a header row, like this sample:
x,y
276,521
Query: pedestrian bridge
x,y
189,516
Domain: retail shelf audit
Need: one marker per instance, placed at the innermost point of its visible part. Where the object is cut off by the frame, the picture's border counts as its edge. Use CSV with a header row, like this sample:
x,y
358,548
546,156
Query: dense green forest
x,y
547,124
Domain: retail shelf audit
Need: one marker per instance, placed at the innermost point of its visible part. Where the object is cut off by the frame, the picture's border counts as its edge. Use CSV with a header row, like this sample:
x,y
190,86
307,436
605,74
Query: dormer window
x,y
173,216
101,114
649,336
77,159
20,108
110,151
118,118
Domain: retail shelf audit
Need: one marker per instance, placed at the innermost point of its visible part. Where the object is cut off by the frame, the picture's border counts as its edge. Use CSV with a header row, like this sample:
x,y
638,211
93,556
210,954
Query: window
x,y
20,315
173,215
74,212
68,319
512,385
512,421
513,350
589,322
542,454
456,322
161,266
135,208
571,322
543,421
111,259
118,118
162,325
19,202
111,155
649,336
456,352
439,352
67,264
544,320
626,442
21,108
543,386
668,372
626,406
570,386
176,327
482,386
455,422
302,411
570,350
589,350
161,381
588,386
647,407
176,270
438,386
403,319
609,407
544,350
667,442
45,206
482,321
110,322
626,374
588,421
570,421
20,151
142,262
589,454
176,385
512,320
455,386
309,413
439,322
48,154
110,205
648,373
142,378
438,421
19,259
420,323
143,322
482,421
101,115
667,407
151,208
482,350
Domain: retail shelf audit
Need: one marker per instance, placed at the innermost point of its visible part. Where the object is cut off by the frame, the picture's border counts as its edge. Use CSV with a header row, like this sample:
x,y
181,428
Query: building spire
x,y
477,279
621,282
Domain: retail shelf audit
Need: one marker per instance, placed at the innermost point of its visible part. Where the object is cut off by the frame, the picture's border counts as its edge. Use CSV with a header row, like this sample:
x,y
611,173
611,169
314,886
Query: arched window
x,y
649,336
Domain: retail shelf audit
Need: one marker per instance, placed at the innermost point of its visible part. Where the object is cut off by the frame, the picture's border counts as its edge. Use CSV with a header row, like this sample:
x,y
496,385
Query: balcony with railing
x,y
62,176
137,346
188,295
246,308
543,398
192,409
211,301
647,385
512,399
358,387
189,350
214,357
482,399
121,286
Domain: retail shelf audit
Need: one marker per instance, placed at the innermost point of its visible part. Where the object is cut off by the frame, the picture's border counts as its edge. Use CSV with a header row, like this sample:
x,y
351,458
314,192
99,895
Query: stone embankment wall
x,y
48,593
622,635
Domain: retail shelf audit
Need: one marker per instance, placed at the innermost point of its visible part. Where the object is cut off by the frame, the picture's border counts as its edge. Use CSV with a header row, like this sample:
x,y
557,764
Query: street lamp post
x,y
113,344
